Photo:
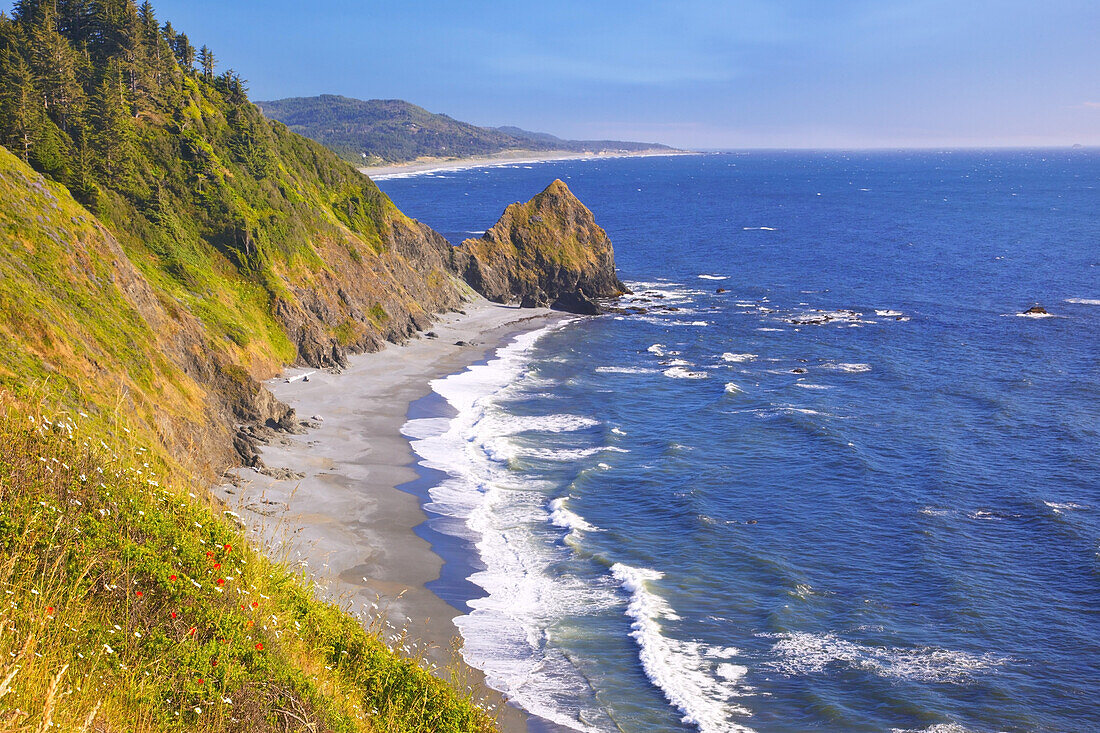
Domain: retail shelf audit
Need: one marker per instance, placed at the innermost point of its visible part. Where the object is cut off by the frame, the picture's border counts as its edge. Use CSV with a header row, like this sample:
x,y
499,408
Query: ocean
x,y
855,491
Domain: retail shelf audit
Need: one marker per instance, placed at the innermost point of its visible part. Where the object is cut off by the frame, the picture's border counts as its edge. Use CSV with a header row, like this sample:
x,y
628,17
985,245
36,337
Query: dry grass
x,y
126,605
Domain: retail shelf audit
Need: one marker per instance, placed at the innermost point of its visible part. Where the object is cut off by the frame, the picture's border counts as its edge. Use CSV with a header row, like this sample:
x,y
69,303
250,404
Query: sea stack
x,y
546,252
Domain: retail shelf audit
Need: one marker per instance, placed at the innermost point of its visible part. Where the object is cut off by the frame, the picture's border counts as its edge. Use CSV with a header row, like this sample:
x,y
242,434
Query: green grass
x,y
131,603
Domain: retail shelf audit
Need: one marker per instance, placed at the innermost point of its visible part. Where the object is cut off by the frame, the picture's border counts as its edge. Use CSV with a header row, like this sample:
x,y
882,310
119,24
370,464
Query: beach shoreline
x,y
335,501
511,157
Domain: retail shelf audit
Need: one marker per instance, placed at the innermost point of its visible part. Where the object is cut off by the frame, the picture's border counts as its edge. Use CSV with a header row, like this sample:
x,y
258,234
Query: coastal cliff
x,y
164,249
546,252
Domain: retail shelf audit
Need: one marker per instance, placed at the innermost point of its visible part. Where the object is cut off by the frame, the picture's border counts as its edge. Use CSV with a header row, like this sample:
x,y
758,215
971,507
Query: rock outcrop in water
x,y
546,252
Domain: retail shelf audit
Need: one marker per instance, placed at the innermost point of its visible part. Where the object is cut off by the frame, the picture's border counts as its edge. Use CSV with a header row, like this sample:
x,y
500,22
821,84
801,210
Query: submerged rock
x,y
548,252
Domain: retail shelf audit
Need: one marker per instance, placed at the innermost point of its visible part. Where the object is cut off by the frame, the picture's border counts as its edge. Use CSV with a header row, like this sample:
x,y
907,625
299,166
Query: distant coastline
x,y
423,166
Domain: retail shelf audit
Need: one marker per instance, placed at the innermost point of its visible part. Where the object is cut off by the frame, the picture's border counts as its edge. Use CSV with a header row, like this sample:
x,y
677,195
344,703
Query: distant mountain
x,y
376,131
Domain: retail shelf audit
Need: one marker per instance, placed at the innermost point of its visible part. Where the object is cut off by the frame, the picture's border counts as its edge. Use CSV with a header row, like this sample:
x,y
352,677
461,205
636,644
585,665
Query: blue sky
x,y
695,73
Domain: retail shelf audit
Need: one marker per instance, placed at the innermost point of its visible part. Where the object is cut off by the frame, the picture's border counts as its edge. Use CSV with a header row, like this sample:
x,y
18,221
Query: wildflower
x,y
200,680
250,623
172,578
198,711
259,646
210,553
191,631
174,614
138,593
49,611
229,548
217,565
108,649
255,604
221,581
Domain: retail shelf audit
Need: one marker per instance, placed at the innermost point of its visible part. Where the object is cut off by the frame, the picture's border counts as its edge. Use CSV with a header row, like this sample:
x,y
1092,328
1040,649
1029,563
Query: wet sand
x,y
340,514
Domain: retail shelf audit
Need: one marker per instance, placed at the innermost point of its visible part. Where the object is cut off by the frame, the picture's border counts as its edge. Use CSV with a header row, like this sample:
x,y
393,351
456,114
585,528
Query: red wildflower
x,y
49,610
229,548
192,631
213,662
138,593
174,615
210,553
172,578
259,646
221,581
217,565
255,604
200,680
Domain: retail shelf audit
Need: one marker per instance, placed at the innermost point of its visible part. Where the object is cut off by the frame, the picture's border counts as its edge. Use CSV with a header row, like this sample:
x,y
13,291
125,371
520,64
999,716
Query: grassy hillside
x,y
369,132
242,245
163,247
129,605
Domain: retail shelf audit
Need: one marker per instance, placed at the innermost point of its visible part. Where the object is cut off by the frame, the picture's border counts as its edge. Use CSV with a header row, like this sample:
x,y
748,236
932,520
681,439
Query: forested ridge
x,y
369,132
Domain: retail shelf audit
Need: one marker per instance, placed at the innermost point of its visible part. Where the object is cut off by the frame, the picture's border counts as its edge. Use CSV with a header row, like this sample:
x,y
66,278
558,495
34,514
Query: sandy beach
x,y
510,157
339,512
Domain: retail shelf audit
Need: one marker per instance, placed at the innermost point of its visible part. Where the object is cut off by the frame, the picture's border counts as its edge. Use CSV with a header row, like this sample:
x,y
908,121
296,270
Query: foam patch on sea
x,y
702,681
803,653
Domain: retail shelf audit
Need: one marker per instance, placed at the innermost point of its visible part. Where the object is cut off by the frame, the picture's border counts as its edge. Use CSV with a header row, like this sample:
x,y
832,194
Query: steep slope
x,y
248,245
375,131
546,252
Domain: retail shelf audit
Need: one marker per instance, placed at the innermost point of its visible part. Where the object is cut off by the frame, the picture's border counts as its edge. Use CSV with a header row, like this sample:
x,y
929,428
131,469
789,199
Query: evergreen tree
x,y
54,64
207,61
20,112
185,52
114,129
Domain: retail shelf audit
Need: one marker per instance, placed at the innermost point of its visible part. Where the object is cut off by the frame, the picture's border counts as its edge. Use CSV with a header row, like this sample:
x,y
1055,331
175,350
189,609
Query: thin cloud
x,y
1091,105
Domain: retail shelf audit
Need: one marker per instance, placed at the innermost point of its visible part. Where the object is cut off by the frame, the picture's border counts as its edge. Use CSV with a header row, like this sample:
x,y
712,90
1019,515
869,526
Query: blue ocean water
x,y
733,513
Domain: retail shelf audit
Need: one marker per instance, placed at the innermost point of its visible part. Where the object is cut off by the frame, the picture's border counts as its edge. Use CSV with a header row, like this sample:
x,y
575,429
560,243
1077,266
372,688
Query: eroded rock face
x,y
548,252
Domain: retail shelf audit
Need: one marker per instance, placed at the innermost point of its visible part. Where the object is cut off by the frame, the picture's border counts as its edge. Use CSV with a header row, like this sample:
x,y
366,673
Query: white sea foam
x,y
658,349
937,727
714,277
504,424
1083,301
507,517
885,313
806,385
738,358
771,330
758,229
1035,315
1065,506
847,367
732,388
561,516
625,370
702,681
802,653
679,372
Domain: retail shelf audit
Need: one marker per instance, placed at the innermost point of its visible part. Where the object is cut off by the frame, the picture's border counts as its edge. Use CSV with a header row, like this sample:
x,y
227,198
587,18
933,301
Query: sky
x,y
700,74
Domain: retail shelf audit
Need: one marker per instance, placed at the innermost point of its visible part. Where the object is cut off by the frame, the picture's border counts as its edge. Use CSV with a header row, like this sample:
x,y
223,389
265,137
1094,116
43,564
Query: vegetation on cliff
x,y
162,247
375,131
546,252
129,605
245,244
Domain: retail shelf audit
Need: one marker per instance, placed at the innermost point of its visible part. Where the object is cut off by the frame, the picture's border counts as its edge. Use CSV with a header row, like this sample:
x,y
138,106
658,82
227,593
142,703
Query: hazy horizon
x,y
700,74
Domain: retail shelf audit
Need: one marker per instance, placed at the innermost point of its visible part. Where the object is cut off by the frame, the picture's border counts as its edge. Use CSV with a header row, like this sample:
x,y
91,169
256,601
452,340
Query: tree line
x,y
76,76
